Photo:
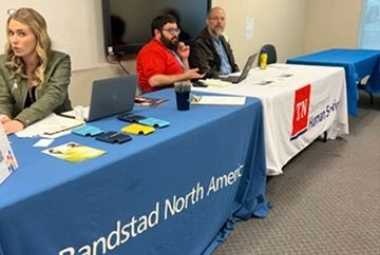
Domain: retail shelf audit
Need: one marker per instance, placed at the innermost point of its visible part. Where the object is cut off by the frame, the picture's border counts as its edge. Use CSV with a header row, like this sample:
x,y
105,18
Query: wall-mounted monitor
x,y
127,22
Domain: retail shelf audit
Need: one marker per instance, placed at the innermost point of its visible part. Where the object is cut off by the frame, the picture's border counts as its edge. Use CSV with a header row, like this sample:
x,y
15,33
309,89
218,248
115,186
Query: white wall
x,y
294,26
332,23
279,22
74,26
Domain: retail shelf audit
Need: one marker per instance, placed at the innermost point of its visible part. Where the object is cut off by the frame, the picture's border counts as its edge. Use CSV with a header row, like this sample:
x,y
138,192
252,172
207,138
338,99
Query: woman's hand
x,y
4,119
12,126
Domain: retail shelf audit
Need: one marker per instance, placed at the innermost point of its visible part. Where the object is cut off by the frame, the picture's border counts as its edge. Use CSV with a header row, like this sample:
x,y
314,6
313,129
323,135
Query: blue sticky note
x,y
153,122
87,130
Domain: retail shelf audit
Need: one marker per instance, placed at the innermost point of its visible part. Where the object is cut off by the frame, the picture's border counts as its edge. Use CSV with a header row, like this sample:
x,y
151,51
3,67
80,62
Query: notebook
x,y
109,97
248,65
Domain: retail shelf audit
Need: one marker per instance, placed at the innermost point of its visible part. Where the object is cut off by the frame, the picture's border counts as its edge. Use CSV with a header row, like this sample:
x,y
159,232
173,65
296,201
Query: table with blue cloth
x,y
358,63
177,191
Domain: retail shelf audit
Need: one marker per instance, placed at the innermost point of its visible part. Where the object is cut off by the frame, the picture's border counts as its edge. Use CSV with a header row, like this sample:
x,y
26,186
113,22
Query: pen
x,y
196,98
156,103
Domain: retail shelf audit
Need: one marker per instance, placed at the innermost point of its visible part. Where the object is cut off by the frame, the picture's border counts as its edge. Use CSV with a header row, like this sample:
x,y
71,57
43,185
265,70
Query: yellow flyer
x,y
74,152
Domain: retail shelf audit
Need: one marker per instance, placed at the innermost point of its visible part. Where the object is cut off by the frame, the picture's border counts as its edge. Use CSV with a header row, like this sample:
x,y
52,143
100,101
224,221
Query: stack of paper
x,y
50,126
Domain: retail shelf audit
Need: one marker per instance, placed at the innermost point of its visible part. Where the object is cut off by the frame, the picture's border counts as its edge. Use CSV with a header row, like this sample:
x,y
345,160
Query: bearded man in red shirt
x,y
164,60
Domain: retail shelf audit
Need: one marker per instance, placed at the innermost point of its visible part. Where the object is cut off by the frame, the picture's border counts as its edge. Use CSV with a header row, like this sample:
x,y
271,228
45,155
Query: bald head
x,y
216,21
215,11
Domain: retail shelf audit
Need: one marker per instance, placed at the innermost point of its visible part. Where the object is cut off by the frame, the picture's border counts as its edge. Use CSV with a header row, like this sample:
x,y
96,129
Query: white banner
x,y
300,103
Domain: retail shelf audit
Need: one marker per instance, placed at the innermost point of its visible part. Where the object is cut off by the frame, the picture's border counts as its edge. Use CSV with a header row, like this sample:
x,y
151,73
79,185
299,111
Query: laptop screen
x,y
108,97
112,96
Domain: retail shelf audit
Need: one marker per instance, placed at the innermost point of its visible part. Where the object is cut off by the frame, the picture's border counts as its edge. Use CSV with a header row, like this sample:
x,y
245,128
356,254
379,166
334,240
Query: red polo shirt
x,y
154,58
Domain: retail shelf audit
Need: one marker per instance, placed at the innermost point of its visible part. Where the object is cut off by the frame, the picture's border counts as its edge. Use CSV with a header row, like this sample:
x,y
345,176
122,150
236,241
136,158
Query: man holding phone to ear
x,y
211,52
164,60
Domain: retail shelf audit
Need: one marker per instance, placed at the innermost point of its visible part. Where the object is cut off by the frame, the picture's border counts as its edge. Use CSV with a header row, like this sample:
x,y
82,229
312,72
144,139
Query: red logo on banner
x,y
301,111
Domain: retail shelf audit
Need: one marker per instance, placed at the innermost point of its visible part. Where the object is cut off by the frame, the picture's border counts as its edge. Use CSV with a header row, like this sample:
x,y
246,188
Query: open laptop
x,y
109,97
238,78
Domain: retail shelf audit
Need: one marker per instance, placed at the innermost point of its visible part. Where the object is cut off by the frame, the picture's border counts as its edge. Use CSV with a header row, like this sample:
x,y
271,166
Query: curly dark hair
x,y
161,20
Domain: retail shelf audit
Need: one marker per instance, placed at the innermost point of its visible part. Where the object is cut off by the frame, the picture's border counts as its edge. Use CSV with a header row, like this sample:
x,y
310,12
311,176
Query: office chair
x,y
361,85
272,53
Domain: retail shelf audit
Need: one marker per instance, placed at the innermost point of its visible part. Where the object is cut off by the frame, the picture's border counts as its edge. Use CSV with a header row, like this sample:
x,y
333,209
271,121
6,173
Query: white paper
x,y
43,142
218,100
249,28
8,162
79,112
52,126
217,82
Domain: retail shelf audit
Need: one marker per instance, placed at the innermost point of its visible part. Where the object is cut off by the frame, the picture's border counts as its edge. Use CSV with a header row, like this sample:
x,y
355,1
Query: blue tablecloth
x,y
177,191
357,63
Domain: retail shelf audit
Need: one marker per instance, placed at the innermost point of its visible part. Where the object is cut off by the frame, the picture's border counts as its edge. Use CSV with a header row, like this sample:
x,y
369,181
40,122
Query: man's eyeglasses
x,y
173,31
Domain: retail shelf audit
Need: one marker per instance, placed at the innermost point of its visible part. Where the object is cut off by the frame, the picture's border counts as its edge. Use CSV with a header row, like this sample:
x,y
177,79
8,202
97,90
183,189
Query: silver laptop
x,y
238,78
109,97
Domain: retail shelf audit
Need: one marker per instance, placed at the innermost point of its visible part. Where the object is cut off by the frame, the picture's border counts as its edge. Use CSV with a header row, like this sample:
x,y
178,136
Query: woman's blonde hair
x,y
37,24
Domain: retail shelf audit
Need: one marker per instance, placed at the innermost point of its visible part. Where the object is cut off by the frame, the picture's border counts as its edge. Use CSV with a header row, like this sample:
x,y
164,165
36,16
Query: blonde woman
x,y
34,79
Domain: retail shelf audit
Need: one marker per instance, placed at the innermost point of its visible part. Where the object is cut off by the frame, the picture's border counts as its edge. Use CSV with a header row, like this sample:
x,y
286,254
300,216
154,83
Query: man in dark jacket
x,y
210,52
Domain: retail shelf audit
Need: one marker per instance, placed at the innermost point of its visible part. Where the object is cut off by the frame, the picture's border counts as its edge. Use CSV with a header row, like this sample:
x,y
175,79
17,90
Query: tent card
x,y
8,162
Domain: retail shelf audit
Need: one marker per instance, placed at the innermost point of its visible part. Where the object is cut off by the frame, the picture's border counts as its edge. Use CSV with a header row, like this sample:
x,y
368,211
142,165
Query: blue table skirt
x,y
177,191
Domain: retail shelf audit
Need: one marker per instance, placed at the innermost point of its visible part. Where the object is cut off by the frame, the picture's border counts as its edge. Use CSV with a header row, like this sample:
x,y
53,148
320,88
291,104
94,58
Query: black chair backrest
x,y
271,51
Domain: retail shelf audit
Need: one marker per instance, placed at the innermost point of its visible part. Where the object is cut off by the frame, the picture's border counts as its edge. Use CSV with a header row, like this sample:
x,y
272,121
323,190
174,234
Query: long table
x,y
176,191
358,63
300,103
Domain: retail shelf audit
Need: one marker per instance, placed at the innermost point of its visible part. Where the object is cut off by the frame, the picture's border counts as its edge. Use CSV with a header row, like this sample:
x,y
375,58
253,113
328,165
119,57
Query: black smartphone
x,y
132,118
113,137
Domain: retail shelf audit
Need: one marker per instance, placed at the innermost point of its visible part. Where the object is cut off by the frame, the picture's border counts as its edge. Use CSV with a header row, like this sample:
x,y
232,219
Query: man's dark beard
x,y
170,44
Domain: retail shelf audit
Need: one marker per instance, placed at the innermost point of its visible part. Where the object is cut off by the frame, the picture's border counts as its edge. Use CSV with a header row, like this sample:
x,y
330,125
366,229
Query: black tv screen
x,y
127,22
